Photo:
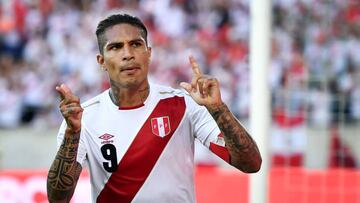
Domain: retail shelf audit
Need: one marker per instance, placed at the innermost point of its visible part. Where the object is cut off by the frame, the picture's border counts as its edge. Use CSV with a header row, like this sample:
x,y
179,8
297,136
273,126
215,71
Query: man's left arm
x,y
244,153
205,90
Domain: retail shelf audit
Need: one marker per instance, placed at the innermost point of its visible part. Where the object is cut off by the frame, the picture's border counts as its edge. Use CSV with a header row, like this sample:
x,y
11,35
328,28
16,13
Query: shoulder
x,y
93,102
168,92
164,92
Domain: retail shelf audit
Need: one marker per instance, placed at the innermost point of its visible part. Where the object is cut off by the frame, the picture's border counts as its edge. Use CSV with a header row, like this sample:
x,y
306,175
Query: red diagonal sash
x,y
143,153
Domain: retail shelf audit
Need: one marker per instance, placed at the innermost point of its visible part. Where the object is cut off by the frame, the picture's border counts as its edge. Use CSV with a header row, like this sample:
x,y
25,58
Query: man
x,y
137,137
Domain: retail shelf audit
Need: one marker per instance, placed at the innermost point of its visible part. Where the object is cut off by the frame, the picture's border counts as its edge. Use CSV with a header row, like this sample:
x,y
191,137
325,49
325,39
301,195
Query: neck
x,y
128,96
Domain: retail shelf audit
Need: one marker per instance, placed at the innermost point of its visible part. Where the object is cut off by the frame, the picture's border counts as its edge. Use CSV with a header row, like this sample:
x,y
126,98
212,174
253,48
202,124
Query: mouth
x,y
130,69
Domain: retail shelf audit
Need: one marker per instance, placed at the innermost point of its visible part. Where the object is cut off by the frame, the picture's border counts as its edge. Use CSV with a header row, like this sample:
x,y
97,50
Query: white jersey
x,y
145,153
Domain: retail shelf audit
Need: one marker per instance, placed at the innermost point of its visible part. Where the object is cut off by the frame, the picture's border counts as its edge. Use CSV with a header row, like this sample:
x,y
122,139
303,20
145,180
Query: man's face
x,y
126,56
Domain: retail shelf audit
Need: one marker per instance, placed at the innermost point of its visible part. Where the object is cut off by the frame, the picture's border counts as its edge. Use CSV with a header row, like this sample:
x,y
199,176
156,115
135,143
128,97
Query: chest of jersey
x,y
129,143
115,131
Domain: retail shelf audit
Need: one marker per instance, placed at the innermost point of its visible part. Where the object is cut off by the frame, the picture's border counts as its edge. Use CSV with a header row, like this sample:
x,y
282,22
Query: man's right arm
x,y
65,170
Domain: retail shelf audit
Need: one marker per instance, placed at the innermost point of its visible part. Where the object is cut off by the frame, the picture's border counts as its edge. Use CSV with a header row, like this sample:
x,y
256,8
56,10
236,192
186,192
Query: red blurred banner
x,y
213,185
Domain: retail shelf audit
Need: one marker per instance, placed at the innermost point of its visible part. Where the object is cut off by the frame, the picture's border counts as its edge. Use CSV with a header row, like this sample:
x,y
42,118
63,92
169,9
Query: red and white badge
x,y
160,126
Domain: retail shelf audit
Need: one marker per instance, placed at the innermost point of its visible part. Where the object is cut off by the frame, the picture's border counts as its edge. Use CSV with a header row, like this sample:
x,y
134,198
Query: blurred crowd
x,y
315,76
314,73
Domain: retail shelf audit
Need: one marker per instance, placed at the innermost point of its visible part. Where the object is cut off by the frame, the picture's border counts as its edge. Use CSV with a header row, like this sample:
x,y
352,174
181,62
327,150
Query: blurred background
x,y
314,77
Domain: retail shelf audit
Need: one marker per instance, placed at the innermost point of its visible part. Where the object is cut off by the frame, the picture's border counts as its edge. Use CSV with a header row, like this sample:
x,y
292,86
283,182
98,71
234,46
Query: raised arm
x,y
65,170
205,90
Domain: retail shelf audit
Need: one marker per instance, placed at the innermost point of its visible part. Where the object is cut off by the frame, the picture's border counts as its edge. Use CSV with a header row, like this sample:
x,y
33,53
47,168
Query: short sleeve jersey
x,y
145,153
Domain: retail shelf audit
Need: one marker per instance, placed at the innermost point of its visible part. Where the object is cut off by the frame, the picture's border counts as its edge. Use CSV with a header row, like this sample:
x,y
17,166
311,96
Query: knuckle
x,y
64,101
62,108
212,79
61,103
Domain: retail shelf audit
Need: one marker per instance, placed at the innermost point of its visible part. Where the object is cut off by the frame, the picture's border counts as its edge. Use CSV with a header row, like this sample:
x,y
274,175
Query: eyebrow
x,y
121,43
138,40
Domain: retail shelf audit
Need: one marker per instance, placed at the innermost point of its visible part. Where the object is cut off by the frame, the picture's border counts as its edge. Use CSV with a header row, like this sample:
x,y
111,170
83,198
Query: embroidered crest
x,y
160,126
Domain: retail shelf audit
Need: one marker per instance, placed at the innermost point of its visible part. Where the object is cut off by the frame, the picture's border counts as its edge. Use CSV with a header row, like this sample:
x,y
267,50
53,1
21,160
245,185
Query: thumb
x,y
186,86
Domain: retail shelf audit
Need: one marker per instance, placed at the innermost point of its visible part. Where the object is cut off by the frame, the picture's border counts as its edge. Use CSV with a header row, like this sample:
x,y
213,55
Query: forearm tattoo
x,y
64,171
242,148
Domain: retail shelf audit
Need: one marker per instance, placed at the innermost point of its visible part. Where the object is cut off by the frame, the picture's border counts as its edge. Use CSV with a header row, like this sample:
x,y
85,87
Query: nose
x,y
127,54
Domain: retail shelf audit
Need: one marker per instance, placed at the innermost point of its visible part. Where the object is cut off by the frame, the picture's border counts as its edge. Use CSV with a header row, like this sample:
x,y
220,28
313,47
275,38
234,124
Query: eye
x,y
115,47
135,44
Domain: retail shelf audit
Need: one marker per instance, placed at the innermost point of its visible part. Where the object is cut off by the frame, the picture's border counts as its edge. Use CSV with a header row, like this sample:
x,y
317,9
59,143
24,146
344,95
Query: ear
x,y
149,51
101,61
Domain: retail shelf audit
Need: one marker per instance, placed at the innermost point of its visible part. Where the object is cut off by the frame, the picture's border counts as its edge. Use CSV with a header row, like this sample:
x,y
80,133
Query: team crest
x,y
160,126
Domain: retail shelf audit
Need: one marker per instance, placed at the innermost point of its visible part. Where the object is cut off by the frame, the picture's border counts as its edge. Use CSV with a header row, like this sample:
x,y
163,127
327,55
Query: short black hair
x,y
115,20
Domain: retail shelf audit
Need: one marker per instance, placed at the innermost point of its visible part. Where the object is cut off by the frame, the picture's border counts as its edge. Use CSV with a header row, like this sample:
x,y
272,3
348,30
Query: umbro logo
x,y
106,137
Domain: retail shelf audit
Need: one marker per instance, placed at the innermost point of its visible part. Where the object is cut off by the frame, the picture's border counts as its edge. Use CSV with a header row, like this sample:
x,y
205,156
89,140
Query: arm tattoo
x,y
64,171
243,150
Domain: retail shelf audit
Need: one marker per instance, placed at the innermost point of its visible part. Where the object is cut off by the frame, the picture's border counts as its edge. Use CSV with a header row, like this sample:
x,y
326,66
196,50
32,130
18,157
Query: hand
x,y
204,89
70,108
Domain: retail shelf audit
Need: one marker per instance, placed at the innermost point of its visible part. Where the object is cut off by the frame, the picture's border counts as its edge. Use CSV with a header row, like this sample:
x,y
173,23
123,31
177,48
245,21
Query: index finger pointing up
x,y
195,66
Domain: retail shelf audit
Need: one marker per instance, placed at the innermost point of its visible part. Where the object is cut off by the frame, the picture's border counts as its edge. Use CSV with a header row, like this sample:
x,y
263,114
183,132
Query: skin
x,y
126,59
65,171
205,90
